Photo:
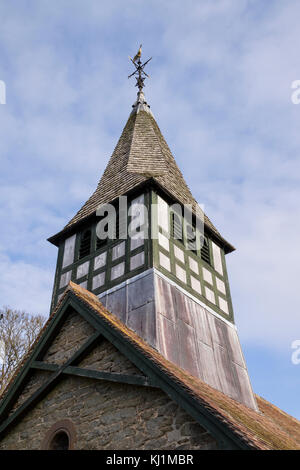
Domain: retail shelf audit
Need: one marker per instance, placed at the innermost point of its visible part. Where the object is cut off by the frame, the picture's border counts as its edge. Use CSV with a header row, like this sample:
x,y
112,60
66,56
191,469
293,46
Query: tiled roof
x,y
141,153
271,428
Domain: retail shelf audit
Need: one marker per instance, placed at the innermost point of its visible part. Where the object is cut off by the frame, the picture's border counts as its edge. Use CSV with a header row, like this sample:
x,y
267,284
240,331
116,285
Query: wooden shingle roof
x,y
140,154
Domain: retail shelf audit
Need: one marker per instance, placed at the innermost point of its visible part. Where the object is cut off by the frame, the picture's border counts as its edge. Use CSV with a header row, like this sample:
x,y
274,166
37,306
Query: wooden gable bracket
x,y
68,368
22,377
95,374
49,384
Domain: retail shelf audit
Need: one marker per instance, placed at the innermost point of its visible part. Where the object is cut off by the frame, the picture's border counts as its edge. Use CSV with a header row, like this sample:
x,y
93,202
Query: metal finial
x,y
139,72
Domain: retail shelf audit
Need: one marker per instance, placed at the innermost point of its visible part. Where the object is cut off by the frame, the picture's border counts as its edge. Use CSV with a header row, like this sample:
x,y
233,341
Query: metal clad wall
x,y
183,331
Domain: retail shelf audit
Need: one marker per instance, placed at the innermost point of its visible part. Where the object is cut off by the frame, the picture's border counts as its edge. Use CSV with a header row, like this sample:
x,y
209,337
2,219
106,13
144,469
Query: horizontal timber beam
x,y
95,374
57,373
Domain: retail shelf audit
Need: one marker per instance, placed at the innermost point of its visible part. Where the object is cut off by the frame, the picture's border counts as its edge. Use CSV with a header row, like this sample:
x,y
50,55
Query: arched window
x,y
61,436
85,244
60,441
191,238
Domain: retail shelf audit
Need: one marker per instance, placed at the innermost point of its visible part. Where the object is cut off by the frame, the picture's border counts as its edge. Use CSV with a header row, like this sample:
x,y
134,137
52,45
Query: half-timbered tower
x,y
173,293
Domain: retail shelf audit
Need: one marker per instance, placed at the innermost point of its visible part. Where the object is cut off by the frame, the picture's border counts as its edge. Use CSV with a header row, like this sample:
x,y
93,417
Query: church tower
x,y
167,281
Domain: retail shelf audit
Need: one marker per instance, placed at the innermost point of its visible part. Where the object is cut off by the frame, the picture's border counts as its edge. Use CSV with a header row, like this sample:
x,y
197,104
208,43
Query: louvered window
x,y
176,226
205,255
191,238
100,242
117,227
85,244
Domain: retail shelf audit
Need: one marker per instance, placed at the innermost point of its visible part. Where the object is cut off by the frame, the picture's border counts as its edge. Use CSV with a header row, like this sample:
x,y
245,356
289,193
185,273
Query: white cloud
x,y
25,286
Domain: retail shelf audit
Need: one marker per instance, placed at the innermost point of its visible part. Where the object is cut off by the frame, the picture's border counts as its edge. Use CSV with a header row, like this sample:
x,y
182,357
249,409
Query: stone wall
x,y
110,416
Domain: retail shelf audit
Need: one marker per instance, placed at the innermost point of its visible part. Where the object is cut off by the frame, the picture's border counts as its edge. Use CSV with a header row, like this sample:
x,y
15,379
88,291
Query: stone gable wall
x,y
105,357
74,332
105,415
110,416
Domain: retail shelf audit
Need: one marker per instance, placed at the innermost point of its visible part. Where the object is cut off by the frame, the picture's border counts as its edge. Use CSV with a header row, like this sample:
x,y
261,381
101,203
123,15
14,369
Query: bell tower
x,y
162,267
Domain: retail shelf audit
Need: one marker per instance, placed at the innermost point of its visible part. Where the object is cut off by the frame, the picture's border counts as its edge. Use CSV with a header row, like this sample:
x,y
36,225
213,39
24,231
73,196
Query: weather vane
x,y
139,72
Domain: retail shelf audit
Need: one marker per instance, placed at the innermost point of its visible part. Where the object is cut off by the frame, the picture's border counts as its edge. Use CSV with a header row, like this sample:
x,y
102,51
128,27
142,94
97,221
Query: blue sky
x,y
220,90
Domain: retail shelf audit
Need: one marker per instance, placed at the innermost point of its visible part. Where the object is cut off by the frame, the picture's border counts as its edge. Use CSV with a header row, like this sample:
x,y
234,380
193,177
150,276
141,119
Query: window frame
x,y
66,426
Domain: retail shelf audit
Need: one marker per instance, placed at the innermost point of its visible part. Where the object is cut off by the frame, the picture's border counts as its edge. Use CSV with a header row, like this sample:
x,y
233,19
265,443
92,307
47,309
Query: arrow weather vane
x,y
139,72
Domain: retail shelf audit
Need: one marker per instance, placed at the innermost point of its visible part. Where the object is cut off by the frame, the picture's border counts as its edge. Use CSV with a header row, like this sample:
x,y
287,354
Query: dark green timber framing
x,y
151,249
107,247
154,375
196,256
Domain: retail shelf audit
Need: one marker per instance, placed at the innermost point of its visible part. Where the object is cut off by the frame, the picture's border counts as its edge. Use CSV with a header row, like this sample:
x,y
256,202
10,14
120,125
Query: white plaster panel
x,y
194,265
137,211
163,241
180,273
137,214
164,261
209,294
98,280
137,240
220,285
195,283
137,260
207,276
217,258
64,279
69,251
179,253
223,305
100,261
118,251
163,214
117,271
83,284
83,269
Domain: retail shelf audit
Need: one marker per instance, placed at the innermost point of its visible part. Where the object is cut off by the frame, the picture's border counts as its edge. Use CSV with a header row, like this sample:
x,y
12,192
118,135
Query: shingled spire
x,y
140,154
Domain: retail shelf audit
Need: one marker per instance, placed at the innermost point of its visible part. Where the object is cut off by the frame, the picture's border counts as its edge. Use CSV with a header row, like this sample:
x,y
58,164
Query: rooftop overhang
x,y
151,182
